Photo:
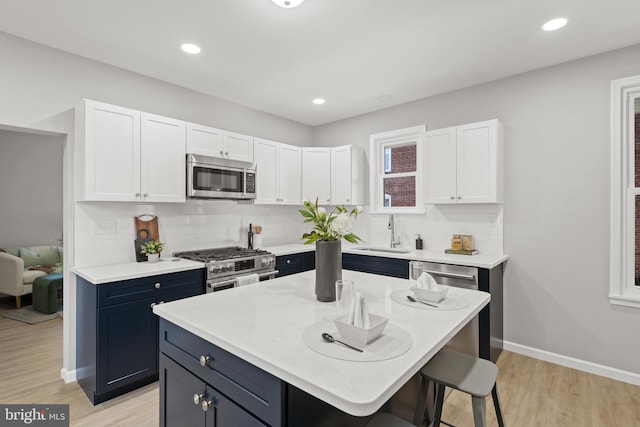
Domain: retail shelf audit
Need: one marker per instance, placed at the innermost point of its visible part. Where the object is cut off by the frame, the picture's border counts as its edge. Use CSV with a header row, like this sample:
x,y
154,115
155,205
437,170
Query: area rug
x,y
29,315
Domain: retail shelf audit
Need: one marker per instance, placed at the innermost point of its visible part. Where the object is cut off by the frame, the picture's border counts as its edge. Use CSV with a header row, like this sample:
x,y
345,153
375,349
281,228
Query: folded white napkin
x,y
359,312
426,281
247,280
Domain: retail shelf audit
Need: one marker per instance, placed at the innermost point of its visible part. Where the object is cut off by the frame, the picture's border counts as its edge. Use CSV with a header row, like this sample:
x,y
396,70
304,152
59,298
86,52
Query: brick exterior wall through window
x,y
402,189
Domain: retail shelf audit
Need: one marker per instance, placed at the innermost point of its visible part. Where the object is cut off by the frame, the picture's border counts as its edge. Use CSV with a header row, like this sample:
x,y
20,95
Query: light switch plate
x,y
105,226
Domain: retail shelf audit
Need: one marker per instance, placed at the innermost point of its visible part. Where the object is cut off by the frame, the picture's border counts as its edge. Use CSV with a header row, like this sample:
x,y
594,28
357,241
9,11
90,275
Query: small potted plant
x,y
152,250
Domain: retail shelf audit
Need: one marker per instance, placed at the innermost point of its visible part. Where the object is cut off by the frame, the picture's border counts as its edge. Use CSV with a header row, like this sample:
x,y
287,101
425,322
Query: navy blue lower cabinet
x,y
127,345
186,400
392,267
295,263
194,370
117,331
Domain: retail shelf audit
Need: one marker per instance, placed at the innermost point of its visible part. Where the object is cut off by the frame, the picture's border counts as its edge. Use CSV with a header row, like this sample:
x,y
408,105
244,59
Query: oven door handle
x,y
234,281
269,273
223,283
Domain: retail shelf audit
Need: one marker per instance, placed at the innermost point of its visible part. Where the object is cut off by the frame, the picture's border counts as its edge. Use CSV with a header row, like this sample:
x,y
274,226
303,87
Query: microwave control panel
x,y
251,183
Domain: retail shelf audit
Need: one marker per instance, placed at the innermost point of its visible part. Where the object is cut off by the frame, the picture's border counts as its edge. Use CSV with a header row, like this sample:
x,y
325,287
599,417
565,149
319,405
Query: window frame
x,y
623,291
377,144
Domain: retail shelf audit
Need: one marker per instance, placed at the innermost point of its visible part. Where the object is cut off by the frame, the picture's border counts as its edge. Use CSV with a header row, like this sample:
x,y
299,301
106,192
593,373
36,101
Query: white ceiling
x,y
350,52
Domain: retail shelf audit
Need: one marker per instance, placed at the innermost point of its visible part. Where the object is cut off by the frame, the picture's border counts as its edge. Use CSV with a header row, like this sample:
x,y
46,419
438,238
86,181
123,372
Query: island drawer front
x,y
257,391
150,286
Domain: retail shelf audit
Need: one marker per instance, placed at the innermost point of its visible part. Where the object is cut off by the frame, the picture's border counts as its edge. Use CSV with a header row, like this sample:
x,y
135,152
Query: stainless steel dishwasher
x,y
468,339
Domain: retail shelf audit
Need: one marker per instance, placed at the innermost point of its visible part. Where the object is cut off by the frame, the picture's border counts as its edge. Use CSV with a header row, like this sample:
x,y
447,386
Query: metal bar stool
x,y
468,374
448,368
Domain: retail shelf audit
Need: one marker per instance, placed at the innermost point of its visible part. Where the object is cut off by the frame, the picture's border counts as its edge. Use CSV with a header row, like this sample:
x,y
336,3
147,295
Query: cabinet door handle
x,y
347,200
204,360
208,404
459,197
198,398
226,153
452,197
221,152
146,194
137,194
157,285
288,261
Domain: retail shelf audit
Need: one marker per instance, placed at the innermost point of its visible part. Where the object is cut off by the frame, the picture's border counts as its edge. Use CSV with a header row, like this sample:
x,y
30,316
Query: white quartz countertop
x,y
264,323
479,260
133,270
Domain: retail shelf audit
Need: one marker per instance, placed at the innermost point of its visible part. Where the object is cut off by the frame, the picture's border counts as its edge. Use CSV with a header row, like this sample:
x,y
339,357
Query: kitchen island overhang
x,y
263,324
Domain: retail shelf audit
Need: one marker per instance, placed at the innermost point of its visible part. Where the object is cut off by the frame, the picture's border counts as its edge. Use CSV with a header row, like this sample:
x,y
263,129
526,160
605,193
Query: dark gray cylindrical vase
x,y
328,269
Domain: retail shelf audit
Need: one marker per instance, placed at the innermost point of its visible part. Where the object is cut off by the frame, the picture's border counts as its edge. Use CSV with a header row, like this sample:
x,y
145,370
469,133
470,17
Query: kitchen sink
x,y
390,250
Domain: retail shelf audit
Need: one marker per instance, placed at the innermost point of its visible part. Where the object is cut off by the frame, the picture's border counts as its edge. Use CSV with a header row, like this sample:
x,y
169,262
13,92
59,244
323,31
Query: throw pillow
x,y
30,258
12,251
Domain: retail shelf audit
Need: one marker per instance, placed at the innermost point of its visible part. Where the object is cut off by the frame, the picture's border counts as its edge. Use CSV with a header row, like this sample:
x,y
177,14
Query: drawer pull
x,y
204,360
208,404
198,398
157,285
288,261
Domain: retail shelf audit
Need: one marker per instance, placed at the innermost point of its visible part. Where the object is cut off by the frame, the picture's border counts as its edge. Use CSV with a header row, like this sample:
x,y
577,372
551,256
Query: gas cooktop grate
x,y
213,254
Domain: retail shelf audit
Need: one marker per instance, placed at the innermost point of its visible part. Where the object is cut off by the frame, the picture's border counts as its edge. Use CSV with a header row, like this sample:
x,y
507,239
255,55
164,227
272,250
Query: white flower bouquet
x,y
329,226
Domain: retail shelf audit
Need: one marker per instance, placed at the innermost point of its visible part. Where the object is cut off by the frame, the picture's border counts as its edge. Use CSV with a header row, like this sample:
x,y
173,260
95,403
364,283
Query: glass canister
x,y
456,242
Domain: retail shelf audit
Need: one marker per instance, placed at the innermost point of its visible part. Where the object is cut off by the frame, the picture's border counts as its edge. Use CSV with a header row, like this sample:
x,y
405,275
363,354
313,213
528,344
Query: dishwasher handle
x,y
454,275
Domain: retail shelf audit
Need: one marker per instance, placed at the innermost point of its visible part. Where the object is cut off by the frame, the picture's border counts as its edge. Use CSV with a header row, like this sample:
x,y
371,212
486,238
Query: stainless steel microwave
x,y
213,178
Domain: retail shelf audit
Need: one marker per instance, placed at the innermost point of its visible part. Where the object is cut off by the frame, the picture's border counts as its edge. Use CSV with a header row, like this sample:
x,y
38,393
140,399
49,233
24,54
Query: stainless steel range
x,y
226,267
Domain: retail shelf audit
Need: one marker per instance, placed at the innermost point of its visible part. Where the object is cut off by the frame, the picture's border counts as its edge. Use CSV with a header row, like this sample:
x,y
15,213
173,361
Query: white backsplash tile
x,y
200,224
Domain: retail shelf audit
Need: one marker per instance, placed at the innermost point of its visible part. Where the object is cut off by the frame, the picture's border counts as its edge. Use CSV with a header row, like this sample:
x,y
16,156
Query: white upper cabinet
x,y
463,164
208,141
347,175
440,166
238,147
162,158
334,175
278,173
316,174
289,174
129,156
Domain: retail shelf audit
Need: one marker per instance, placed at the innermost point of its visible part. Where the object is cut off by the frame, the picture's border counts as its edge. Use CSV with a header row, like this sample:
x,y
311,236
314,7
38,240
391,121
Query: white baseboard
x,y
68,376
570,362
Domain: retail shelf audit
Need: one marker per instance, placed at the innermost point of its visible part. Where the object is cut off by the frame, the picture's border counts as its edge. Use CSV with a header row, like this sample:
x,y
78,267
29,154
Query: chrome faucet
x,y
391,226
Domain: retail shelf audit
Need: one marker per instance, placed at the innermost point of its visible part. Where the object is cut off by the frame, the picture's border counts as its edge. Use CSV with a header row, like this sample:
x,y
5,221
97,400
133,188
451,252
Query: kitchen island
x,y
261,327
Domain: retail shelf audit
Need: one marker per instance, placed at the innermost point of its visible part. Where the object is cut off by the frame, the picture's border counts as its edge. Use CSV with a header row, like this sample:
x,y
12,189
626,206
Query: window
x,y
396,172
625,192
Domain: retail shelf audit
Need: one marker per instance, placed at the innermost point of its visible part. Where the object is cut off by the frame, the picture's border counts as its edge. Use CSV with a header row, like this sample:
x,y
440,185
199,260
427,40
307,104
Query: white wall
x,y
30,189
556,209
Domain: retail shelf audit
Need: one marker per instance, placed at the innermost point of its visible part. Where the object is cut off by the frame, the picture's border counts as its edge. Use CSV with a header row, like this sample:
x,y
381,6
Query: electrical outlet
x,y
105,226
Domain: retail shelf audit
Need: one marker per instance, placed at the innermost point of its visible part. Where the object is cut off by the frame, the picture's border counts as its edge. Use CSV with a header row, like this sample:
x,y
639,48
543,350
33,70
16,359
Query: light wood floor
x,y
533,393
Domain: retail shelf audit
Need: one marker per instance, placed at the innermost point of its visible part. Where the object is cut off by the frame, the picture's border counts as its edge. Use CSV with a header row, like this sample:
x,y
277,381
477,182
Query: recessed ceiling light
x,y
385,98
190,48
554,24
288,3
319,101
